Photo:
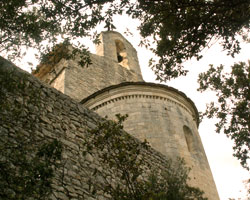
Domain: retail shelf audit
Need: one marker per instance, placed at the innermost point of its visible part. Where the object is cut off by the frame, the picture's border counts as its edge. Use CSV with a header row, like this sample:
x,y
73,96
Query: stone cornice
x,y
147,90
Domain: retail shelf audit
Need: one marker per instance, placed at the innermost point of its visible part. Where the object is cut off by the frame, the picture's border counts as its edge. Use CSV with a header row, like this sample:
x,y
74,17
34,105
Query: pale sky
x,y
227,172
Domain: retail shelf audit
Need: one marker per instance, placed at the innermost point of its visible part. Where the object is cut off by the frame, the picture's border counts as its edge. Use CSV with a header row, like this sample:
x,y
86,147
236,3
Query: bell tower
x,y
115,47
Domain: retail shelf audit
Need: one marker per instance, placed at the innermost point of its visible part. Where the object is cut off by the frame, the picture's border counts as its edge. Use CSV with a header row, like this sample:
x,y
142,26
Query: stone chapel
x,y
162,115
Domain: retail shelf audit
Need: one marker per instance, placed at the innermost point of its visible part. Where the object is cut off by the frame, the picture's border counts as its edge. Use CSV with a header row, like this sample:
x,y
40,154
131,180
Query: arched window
x,y
189,139
121,53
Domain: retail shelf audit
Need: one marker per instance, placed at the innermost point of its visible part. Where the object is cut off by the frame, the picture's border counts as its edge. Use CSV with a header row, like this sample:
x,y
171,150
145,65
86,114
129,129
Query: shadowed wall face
x,y
54,115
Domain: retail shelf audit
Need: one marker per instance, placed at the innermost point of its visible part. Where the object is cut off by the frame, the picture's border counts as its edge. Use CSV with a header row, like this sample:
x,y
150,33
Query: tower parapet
x,y
115,62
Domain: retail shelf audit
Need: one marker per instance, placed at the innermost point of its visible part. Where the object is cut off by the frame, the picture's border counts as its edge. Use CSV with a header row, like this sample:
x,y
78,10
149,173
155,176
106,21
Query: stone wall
x,y
53,115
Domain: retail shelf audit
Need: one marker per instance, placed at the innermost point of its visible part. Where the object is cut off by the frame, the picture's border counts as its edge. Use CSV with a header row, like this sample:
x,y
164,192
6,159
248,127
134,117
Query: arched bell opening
x,y
121,54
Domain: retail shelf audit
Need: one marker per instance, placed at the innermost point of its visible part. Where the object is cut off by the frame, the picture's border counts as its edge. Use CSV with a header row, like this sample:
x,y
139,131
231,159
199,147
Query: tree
x,y
233,105
179,29
136,178
30,23
182,29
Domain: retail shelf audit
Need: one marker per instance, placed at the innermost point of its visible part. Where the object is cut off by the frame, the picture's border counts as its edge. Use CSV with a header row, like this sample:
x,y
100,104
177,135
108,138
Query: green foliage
x,y
233,105
27,162
137,179
180,29
31,22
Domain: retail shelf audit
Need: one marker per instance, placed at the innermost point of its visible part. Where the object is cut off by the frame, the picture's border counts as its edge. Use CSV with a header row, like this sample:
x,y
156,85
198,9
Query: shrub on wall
x,y
138,178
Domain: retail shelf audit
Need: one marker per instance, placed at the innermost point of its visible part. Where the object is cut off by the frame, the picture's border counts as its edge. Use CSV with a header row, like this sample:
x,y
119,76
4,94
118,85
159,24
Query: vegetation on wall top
x,y
138,178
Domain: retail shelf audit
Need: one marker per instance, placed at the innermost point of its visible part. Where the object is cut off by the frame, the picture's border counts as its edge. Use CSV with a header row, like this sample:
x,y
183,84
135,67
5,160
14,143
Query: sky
x,y
227,171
